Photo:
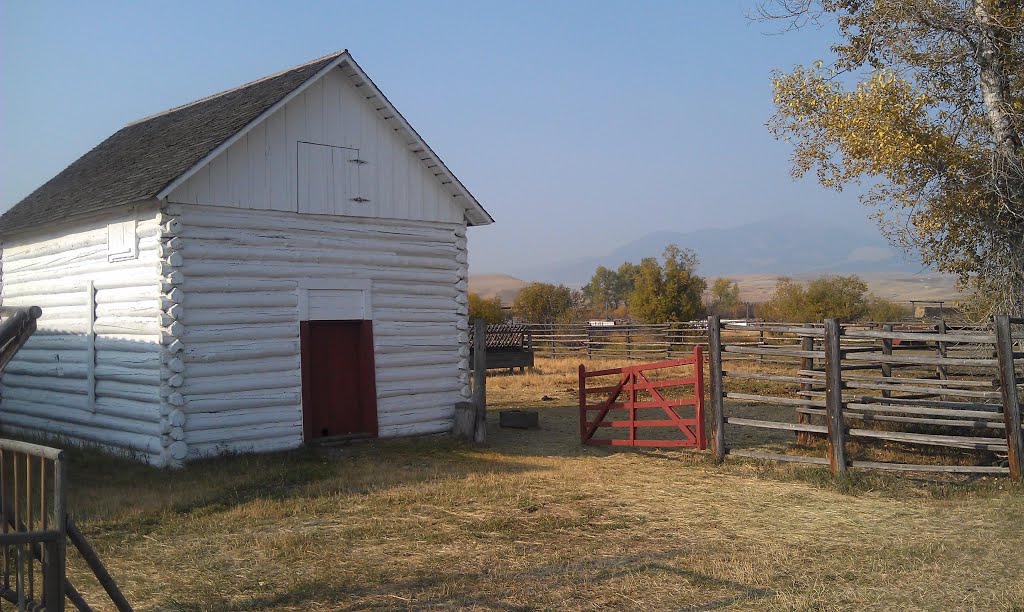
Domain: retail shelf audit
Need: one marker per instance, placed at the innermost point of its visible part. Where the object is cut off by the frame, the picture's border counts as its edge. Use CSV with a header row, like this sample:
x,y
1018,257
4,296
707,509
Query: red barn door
x,y
339,397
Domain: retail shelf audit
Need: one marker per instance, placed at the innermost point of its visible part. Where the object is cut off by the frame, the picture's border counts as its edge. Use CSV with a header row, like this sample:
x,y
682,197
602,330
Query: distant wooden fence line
x,y
962,384
633,341
665,340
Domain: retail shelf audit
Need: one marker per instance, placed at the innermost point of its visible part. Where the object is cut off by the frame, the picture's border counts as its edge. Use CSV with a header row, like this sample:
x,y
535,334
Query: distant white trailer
x,y
277,263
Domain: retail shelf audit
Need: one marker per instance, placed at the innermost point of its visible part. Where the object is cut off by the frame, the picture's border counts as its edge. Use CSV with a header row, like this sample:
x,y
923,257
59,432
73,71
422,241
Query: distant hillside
x,y
892,286
502,285
788,245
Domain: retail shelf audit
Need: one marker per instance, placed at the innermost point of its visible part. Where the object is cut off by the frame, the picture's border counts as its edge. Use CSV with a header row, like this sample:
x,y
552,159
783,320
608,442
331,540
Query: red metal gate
x,y
633,382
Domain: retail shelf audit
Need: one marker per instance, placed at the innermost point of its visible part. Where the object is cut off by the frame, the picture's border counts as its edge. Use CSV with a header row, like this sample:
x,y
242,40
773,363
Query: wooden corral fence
x,y
35,529
921,385
627,393
631,341
32,511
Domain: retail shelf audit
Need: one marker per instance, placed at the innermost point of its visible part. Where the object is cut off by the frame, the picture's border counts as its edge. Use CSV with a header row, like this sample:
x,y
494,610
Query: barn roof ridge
x,y
146,159
329,56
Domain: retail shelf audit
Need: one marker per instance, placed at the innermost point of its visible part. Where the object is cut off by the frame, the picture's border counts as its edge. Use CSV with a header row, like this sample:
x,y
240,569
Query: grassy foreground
x,y
534,521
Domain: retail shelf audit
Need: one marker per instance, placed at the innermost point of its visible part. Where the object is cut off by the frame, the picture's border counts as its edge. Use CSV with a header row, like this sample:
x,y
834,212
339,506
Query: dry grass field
x,y
533,520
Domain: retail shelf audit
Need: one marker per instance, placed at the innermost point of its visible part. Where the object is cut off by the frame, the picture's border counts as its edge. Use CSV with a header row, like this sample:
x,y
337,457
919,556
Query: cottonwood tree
x,y
725,296
487,309
840,297
923,100
545,303
669,291
602,291
609,289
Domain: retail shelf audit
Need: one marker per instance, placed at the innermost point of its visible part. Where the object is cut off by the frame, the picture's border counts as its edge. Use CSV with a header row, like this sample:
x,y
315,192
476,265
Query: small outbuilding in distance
x,y
276,263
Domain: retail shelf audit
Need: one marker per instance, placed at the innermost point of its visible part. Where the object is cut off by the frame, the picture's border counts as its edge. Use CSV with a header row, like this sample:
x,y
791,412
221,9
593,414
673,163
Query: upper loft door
x,y
328,181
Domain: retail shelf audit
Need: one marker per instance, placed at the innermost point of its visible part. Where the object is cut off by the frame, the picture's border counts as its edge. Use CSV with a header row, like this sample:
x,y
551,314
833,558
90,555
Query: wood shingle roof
x,y
142,158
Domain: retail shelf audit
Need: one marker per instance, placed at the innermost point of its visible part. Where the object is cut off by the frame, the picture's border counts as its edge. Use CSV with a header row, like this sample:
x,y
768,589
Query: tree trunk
x,y
993,41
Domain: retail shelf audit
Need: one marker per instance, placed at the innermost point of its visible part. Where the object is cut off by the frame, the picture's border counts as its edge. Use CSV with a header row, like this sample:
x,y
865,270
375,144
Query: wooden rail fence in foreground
x,y
920,385
35,529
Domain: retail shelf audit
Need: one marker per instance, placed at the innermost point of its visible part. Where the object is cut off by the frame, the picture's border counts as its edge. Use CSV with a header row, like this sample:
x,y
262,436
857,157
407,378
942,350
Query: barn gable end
x,y
326,151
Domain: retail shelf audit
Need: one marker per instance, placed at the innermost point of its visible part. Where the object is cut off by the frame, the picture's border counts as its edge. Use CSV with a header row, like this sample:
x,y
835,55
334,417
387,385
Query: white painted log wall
x,y
240,322
57,385
259,171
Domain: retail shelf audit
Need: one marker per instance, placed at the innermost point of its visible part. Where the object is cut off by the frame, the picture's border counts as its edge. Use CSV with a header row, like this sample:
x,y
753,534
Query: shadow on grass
x,y
109,494
418,593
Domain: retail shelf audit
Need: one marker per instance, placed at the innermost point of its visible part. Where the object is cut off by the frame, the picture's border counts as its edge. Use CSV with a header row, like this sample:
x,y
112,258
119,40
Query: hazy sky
x,y
579,125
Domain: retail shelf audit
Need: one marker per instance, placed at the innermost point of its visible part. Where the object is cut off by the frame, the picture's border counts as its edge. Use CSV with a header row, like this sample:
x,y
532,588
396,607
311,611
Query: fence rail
x,y
17,325
918,384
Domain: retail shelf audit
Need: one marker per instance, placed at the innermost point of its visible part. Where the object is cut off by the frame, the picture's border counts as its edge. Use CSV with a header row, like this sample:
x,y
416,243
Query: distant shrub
x,y
545,303
487,309
830,297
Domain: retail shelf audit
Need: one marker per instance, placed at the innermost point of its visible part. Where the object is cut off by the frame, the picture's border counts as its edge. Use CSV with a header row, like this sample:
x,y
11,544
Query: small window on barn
x,y
121,242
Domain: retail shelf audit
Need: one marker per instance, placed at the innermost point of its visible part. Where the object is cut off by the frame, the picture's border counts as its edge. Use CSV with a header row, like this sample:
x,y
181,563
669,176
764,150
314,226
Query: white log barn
x,y
277,263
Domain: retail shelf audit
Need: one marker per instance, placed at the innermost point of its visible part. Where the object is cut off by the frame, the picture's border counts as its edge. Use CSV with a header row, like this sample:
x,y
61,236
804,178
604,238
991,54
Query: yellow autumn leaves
x,y
881,127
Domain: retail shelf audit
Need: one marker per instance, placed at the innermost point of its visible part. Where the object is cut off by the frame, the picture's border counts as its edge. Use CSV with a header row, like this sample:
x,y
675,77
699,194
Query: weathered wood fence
x,y
35,529
633,341
914,384
32,509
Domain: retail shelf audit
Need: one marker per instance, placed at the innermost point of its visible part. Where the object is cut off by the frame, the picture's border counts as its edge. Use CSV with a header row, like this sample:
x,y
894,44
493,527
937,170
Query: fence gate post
x,y
834,397
1011,401
480,380
717,404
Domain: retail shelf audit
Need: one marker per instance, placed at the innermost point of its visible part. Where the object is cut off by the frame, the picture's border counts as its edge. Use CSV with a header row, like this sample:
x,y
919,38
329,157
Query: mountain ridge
x,y
779,245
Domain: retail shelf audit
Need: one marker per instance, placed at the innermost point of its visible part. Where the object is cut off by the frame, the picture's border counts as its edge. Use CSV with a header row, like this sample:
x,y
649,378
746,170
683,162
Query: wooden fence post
x,y
583,402
60,515
717,404
886,350
940,350
480,380
806,363
1011,401
834,397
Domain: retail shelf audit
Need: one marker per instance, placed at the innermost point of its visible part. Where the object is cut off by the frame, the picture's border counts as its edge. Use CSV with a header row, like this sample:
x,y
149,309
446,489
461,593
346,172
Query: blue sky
x,y
579,125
